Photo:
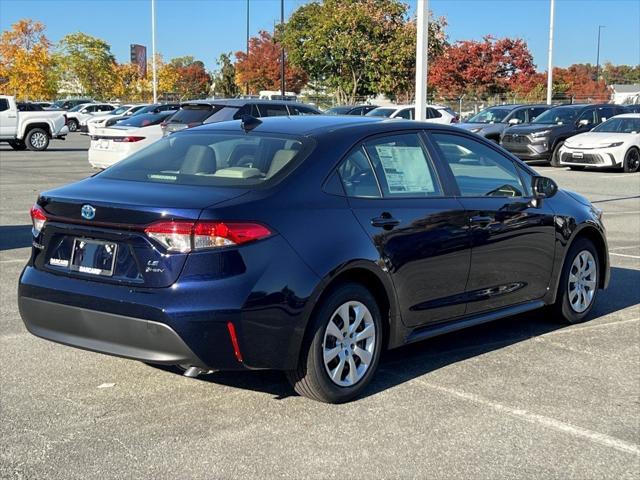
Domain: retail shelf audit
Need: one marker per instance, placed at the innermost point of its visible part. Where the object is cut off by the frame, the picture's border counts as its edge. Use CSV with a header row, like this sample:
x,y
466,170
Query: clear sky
x,y
207,28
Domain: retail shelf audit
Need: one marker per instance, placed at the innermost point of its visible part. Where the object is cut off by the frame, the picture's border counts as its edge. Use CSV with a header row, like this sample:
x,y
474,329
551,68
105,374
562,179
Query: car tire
x,y
631,162
73,125
329,368
579,282
37,139
555,156
17,145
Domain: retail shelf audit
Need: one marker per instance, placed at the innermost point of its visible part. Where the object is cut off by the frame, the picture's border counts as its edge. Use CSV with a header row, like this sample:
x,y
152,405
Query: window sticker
x,y
405,169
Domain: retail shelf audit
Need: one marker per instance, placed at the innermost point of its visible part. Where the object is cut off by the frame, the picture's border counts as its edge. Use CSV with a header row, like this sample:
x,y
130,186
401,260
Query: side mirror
x,y
543,187
514,121
583,123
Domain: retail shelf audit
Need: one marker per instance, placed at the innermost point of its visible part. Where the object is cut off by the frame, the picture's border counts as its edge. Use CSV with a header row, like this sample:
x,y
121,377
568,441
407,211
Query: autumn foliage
x,y
261,68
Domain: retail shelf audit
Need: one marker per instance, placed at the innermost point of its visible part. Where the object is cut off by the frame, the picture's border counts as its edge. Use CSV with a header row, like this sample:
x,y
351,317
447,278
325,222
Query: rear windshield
x,y
194,113
213,159
145,119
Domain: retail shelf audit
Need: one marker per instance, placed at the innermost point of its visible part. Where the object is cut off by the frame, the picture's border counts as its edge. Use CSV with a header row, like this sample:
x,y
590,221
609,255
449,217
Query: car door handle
x,y
481,219
385,220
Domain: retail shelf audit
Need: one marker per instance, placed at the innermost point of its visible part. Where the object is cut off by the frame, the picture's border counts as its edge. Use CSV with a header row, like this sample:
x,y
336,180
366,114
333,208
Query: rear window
x,y
145,119
194,113
213,159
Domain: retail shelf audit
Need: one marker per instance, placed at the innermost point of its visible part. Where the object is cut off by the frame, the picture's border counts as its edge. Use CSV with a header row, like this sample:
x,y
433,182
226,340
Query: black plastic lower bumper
x,y
118,335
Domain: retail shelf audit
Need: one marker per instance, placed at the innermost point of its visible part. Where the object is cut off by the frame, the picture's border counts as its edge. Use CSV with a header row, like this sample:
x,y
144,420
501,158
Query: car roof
x,y
313,125
627,115
241,102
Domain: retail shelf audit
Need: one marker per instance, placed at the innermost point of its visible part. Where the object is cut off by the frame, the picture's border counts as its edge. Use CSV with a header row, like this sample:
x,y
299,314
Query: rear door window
x,y
406,113
357,175
433,113
271,110
402,166
479,170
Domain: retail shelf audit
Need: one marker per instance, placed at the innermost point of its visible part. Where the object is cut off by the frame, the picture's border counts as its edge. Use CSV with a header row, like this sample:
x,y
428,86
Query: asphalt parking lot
x,y
524,397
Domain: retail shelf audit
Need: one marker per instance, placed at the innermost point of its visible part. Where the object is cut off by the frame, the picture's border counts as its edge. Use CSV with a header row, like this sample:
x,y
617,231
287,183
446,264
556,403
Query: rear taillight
x,y
128,139
190,236
38,218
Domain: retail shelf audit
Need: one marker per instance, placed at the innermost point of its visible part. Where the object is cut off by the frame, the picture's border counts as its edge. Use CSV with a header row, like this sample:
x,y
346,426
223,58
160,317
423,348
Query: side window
x,y
406,113
4,104
521,115
588,115
91,108
270,110
534,112
357,111
605,113
357,175
479,170
433,113
300,110
402,166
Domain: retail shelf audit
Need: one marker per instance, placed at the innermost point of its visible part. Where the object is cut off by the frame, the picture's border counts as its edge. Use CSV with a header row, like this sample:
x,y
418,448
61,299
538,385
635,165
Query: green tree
x,y
88,61
224,83
355,47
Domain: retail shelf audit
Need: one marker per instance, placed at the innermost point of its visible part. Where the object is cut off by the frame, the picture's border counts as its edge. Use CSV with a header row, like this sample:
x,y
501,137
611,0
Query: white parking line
x,y
590,327
15,260
573,430
624,255
624,248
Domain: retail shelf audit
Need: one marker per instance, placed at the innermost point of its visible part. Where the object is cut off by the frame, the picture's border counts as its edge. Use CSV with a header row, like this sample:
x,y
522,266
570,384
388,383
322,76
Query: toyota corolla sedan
x,y
307,245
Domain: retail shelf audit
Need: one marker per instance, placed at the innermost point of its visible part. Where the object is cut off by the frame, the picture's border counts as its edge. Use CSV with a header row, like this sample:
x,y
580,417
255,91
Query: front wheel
x,y
341,352
37,139
73,125
579,282
555,156
631,161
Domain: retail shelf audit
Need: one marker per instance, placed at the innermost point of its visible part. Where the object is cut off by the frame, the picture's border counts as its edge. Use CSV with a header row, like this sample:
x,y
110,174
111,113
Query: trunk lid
x,y
95,229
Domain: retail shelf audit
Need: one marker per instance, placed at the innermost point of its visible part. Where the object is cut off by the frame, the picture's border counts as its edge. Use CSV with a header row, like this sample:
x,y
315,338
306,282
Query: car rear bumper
x,y
118,335
105,158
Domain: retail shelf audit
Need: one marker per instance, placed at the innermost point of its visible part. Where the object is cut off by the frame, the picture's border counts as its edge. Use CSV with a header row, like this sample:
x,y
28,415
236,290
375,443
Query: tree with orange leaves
x,y
25,61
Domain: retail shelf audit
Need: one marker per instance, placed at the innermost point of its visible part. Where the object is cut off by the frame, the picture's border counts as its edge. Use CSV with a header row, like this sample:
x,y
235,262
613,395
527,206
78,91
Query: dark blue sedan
x,y
306,245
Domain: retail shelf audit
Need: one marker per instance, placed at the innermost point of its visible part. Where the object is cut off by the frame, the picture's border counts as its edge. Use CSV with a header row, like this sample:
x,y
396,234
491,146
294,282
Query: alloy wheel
x,y
582,281
38,140
349,343
633,161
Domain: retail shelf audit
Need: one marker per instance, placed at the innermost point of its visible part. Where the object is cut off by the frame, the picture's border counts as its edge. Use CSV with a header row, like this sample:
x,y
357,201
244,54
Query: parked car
x,y
350,110
28,107
340,237
632,108
157,108
70,103
493,121
111,144
78,116
32,129
614,143
119,113
45,105
435,113
198,112
542,139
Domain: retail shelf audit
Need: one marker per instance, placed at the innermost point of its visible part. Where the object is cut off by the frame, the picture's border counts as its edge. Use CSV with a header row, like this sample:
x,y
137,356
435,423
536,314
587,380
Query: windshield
x,y
491,115
558,115
381,112
120,110
619,125
146,119
212,159
77,108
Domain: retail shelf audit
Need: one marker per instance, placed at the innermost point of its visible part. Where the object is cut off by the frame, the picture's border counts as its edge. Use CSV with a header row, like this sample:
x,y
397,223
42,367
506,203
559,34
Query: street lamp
x,y
153,50
600,27
550,66
282,80
422,59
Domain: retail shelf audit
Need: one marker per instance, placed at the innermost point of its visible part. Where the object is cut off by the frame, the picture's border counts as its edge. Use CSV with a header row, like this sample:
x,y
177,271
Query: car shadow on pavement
x,y
412,361
15,236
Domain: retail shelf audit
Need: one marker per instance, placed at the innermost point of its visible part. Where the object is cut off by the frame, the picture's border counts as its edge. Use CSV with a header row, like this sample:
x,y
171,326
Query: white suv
x,y
77,117
435,113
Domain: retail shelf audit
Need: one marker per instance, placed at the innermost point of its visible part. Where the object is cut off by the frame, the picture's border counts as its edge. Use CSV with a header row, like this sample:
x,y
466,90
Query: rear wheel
x,y
73,125
631,160
555,156
17,145
341,352
579,282
37,139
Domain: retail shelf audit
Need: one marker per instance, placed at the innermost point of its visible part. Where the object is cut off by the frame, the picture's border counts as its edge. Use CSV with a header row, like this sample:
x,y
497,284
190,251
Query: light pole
x,y
550,66
246,85
600,27
153,50
422,59
282,80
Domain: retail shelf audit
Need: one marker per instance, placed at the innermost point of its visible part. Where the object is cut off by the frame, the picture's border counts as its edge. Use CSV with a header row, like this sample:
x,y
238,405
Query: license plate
x,y
94,257
577,155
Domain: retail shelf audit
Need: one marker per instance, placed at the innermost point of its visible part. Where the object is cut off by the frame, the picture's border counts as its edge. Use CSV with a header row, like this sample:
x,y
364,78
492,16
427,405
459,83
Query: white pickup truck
x,y
31,130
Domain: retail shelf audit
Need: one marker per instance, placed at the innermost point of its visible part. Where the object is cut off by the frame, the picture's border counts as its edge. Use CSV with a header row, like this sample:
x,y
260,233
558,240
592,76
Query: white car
x,y
112,144
77,117
435,113
119,113
614,143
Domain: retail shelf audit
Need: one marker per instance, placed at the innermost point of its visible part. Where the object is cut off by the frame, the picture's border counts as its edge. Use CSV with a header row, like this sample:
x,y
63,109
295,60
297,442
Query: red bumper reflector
x,y
234,341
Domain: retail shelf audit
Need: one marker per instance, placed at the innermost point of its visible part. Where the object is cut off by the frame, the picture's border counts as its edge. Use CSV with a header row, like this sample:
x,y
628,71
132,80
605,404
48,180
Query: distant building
x,y
625,94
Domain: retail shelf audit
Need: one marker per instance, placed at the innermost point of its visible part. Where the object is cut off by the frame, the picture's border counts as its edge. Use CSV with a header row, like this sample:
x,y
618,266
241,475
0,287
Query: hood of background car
x,y
596,139
532,128
483,127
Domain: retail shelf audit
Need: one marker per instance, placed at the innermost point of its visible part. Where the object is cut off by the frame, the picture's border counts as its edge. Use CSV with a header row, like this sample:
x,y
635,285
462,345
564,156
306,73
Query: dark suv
x,y
493,121
542,139
198,112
